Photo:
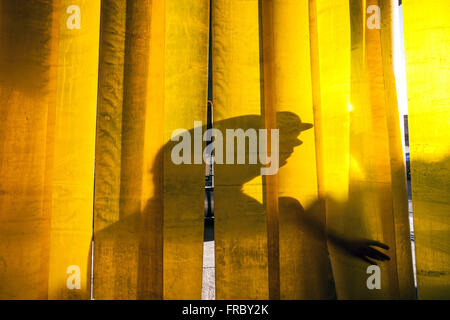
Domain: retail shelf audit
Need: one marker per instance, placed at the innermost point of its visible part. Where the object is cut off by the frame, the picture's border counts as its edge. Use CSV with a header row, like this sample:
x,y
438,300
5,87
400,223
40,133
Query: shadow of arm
x,y
313,221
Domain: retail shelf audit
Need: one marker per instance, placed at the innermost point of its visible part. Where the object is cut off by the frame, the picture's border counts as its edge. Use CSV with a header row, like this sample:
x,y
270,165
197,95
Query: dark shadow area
x,y
171,218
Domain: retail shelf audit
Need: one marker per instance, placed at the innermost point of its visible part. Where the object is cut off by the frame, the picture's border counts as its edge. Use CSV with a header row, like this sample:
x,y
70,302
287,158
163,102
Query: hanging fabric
x,y
148,210
426,29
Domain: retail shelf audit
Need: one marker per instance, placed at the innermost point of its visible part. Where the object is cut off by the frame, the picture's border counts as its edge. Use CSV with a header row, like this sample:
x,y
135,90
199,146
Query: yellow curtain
x,y
303,262
426,29
48,94
98,96
377,192
28,111
240,224
337,75
74,150
153,77
360,166
348,90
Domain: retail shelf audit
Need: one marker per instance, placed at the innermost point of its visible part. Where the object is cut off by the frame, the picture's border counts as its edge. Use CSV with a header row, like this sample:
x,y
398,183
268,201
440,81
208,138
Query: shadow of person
x,y
156,253
241,227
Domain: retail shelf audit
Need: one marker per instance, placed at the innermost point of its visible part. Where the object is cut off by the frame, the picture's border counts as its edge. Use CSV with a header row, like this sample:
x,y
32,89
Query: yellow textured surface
x,y
186,96
400,213
359,154
142,198
108,283
274,61
74,151
427,30
270,182
27,95
330,62
240,218
303,260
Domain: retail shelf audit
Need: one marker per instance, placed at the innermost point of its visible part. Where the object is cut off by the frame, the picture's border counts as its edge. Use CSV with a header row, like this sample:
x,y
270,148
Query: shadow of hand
x,y
364,249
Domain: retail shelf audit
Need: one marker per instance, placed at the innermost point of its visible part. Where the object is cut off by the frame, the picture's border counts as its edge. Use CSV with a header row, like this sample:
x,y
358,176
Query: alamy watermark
x,y
257,147
74,20
374,280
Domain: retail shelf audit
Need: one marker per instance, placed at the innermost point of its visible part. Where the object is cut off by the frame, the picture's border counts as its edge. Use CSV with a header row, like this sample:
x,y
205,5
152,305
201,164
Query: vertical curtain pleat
x,y
74,151
94,115
330,73
187,32
240,214
152,81
370,187
49,91
349,95
400,210
121,128
270,182
359,130
303,260
369,178
426,29
28,96
108,149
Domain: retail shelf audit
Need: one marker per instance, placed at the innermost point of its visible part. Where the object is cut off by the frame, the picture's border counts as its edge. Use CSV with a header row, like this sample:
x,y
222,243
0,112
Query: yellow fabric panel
x,y
369,211
107,283
27,95
143,198
426,27
354,112
398,174
270,182
334,69
367,172
150,277
303,260
186,78
73,166
330,62
370,201
124,222
240,224
292,86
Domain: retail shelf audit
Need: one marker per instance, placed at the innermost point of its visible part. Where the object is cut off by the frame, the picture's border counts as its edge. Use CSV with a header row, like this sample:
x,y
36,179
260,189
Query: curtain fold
x,y
352,113
102,148
48,94
303,260
119,174
370,186
426,30
347,87
330,73
240,224
153,78
28,106
185,104
74,150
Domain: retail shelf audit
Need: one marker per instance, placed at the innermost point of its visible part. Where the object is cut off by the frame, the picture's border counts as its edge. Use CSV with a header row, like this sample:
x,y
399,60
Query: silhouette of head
x,y
187,174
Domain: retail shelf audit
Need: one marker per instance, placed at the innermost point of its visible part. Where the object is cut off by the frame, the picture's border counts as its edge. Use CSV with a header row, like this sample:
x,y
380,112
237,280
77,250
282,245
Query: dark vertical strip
x,y
209,179
315,83
269,113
